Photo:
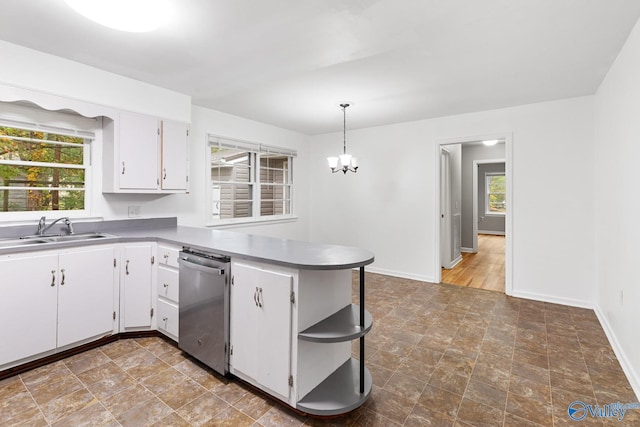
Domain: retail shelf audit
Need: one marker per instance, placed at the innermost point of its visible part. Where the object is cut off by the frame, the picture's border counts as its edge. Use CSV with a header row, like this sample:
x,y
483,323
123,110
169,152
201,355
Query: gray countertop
x,y
289,253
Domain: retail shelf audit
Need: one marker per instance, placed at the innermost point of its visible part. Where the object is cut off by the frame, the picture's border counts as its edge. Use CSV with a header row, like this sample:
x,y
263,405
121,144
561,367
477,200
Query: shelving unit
x,y
349,386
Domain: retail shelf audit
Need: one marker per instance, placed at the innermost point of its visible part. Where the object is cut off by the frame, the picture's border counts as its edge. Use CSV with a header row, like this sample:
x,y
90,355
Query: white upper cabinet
x,y
174,155
138,143
143,154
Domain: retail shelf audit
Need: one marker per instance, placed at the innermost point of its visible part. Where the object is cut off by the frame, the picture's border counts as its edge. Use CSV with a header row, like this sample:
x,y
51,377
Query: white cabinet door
x,y
274,337
174,155
136,287
244,319
261,326
85,295
29,289
138,147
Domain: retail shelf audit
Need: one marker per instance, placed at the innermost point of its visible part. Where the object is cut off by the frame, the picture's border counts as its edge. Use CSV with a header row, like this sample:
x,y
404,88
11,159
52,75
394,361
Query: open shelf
x,y
339,392
344,325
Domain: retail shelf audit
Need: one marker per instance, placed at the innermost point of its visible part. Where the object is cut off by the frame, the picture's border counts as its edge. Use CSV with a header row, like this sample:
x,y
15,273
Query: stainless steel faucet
x,y
42,227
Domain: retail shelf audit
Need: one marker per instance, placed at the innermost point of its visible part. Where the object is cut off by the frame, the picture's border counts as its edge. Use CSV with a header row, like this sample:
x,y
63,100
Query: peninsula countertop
x,y
285,252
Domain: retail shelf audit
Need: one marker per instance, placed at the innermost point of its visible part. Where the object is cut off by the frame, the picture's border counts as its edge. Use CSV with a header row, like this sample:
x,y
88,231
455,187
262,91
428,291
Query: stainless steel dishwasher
x,y
204,308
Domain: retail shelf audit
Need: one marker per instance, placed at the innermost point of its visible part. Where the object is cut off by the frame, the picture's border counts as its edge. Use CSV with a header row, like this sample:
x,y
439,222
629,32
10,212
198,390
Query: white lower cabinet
x,y
85,295
260,326
136,287
53,300
167,289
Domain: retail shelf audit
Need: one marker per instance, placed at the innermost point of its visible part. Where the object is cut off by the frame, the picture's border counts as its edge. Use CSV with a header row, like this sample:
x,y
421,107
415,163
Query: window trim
x,y
255,150
487,212
32,117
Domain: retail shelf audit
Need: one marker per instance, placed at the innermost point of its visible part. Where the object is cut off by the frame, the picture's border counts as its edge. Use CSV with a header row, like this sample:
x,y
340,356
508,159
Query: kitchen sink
x,y
76,237
34,240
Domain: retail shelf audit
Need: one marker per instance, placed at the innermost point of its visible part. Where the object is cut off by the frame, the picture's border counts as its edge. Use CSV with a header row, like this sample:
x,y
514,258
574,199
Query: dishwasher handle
x,y
204,268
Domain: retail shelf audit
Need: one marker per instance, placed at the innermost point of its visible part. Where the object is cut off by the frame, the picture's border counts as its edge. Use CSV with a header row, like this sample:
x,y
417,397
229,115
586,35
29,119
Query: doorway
x,y
486,253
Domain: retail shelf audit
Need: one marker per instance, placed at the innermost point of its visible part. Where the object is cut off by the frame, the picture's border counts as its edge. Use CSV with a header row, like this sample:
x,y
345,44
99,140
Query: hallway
x,y
482,270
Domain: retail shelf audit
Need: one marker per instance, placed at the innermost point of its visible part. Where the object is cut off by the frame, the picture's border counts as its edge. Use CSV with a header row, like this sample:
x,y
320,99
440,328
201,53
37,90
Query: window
x,y
249,181
496,190
42,167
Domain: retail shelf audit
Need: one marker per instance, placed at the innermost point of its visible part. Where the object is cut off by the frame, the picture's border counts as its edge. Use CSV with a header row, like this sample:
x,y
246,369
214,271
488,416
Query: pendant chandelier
x,y
347,162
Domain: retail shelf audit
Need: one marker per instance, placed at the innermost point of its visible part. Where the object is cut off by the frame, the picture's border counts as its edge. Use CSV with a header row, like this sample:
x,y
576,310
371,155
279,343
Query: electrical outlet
x,y
134,211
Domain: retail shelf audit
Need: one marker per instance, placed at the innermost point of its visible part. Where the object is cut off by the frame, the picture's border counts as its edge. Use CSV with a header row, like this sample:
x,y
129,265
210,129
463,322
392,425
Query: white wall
x,y
191,208
388,206
30,69
617,113
68,80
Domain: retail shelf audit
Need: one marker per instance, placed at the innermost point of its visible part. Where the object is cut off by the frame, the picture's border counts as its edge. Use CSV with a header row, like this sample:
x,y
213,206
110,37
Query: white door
x,y
136,290
244,320
138,145
445,209
274,338
28,307
174,155
85,295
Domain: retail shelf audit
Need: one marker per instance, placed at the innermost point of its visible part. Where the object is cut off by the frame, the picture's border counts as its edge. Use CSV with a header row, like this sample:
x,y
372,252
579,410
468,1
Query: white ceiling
x,y
290,62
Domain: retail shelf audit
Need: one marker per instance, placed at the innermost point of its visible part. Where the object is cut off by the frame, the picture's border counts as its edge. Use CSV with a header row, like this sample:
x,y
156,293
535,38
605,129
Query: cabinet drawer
x,y
168,255
168,283
168,318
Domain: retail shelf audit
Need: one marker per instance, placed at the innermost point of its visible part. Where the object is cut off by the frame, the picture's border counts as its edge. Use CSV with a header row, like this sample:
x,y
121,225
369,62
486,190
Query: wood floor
x,y
482,270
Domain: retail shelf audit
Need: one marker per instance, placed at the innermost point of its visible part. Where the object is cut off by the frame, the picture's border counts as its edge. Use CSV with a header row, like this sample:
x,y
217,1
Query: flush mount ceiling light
x,y
490,142
347,162
136,16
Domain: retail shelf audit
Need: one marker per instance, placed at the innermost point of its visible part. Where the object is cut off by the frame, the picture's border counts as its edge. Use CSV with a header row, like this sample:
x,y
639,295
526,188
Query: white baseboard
x,y
626,365
456,261
495,233
401,274
467,250
553,299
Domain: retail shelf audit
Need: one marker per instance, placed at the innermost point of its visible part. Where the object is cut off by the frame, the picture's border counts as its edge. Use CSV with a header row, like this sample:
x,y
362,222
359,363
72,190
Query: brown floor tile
x,y
438,354
529,409
425,417
92,415
145,414
201,410
390,405
405,386
278,416
449,380
439,400
530,389
486,394
477,414
85,361
371,419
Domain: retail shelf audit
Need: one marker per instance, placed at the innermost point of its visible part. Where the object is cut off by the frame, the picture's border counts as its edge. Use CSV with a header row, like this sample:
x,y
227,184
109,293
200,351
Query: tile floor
x,y
440,355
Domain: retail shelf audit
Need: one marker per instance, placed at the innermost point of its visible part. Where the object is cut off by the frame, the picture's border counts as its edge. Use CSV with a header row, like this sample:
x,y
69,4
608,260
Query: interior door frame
x,y
508,141
445,211
477,163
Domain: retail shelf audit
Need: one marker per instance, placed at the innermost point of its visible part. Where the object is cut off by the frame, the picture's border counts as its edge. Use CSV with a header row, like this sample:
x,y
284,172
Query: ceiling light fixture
x,y
347,162
490,142
135,16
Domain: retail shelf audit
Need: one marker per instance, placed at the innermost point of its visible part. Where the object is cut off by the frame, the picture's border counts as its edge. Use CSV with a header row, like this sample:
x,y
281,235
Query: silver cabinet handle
x,y
122,168
166,285
255,296
126,268
53,278
260,297
164,173
62,271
